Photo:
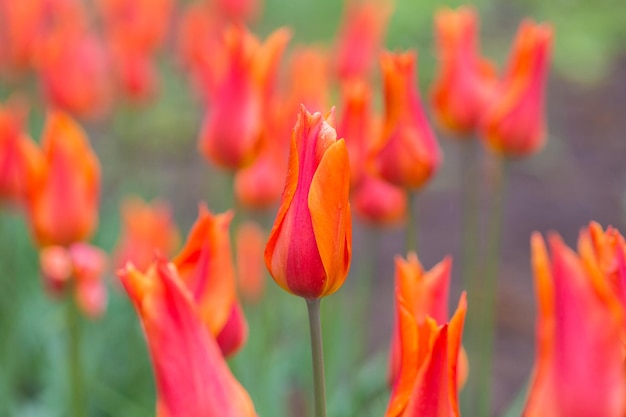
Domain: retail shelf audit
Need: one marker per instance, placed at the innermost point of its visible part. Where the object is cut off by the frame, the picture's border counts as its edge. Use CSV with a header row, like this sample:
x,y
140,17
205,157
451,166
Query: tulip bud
x,y
309,248
63,203
514,123
407,154
249,246
379,202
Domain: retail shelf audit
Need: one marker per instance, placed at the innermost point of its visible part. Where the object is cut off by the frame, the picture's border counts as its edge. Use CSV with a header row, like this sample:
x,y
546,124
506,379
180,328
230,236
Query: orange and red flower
x,y
249,251
407,154
514,124
63,201
192,378
309,248
465,82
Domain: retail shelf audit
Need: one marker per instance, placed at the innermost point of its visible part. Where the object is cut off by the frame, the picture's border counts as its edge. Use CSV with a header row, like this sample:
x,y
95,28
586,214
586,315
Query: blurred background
x,y
150,149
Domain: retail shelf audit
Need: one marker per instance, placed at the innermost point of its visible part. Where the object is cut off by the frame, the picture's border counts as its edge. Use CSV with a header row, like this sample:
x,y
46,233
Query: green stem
x,y
411,224
489,291
470,215
74,359
317,352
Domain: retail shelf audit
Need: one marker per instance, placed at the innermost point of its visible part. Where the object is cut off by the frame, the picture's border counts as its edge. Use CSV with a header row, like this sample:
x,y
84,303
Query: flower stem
x,y
489,291
470,215
411,224
317,351
74,359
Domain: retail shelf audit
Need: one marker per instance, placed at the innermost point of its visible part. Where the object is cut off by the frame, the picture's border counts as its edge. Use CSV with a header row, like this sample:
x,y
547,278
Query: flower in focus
x,y
148,228
514,124
80,267
192,377
407,154
465,82
63,201
309,249
426,382
205,266
361,37
579,370
21,159
249,250
240,85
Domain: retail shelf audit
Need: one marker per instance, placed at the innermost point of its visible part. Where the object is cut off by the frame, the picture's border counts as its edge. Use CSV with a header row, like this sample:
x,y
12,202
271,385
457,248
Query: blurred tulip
x,y
378,202
514,123
312,90
205,265
234,334
135,29
426,384
148,228
407,154
79,267
426,293
579,369
74,73
309,248
465,82
239,10
361,37
21,159
249,245
192,378
239,88
63,202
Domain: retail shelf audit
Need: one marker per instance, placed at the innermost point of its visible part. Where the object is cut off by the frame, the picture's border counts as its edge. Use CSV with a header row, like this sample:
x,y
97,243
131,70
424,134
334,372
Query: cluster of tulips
x,y
189,303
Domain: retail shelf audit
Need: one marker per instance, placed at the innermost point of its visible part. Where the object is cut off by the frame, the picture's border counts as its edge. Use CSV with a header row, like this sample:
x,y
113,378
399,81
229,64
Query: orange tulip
x,y
465,82
21,159
240,86
80,266
249,246
407,154
312,90
63,202
147,228
192,378
426,384
361,37
309,248
205,266
513,124
579,366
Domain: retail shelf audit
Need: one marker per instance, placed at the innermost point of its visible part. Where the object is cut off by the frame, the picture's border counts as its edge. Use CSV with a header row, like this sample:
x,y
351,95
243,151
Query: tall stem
x,y
489,291
411,224
470,215
74,359
317,352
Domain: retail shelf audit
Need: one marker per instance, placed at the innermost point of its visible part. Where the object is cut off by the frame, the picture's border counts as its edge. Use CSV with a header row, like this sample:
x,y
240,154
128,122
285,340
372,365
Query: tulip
x,y
579,366
243,82
238,10
148,228
465,82
361,37
513,124
205,266
20,158
407,154
426,384
312,90
63,202
249,249
192,378
378,202
309,249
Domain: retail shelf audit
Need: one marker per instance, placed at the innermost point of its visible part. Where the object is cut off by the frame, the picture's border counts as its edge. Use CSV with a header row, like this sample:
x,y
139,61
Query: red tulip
x,y
192,378
579,366
378,202
148,228
514,123
465,82
63,202
205,266
407,154
309,248
249,247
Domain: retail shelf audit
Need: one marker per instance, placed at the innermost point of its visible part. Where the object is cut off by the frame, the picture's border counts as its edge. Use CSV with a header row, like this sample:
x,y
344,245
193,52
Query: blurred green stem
x,y
470,214
74,358
411,224
487,300
317,352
